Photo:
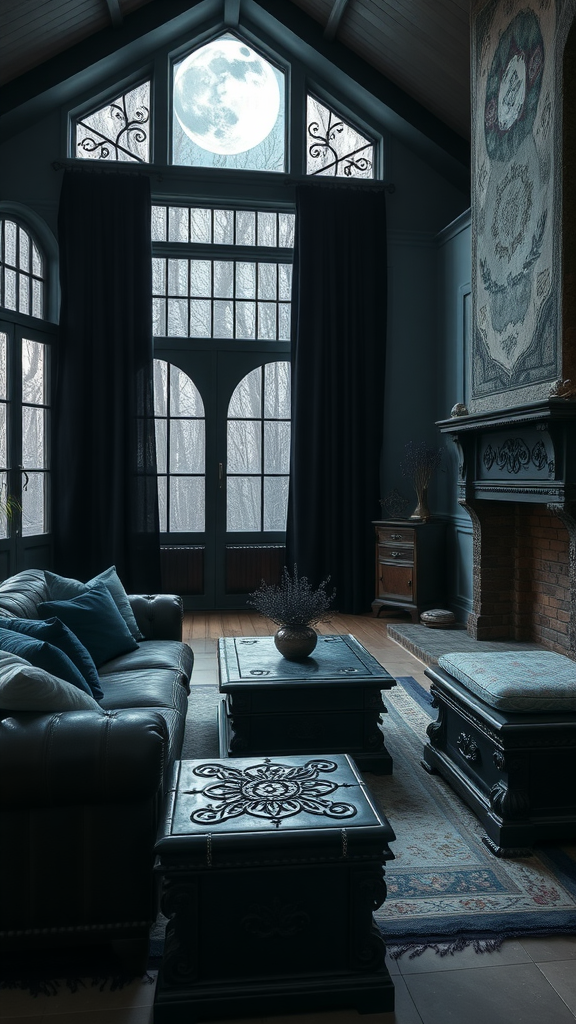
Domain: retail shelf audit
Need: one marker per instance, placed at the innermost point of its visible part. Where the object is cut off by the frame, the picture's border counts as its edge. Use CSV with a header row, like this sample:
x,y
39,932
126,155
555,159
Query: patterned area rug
x,y
445,889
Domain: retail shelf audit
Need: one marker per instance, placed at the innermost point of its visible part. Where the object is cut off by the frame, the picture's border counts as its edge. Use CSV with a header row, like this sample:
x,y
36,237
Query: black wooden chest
x,y
271,871
516,771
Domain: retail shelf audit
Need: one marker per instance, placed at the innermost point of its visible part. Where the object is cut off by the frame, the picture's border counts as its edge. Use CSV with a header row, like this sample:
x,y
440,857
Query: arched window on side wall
x,y
25,340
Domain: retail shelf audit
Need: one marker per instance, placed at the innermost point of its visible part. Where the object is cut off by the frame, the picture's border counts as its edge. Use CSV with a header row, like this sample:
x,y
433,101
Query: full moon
x,y
226,97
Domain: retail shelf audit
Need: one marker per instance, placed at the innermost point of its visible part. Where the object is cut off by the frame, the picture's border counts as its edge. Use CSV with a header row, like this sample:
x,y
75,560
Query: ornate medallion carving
x,y
467,747
269,790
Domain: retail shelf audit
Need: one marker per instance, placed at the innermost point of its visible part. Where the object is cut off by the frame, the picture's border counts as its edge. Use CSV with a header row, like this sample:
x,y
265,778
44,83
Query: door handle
x,y
220,475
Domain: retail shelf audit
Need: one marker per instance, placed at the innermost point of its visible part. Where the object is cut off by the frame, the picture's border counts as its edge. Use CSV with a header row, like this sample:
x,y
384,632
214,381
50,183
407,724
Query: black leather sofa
x,y
80,792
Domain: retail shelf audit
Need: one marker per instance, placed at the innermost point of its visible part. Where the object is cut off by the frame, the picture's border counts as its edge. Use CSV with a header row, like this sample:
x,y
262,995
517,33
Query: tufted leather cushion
x,y
527,681
159,616
80,758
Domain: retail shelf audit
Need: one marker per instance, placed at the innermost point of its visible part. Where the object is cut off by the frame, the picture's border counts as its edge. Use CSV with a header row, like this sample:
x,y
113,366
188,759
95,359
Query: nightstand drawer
x,y
396,553
395,535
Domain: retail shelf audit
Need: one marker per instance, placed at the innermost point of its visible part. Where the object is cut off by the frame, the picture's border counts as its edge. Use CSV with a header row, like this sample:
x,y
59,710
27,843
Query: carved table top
x,y
338,660
222,804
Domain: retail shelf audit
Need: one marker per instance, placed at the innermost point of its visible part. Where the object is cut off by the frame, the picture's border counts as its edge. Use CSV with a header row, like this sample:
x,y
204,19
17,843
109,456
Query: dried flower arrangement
x,y
419,464
293,602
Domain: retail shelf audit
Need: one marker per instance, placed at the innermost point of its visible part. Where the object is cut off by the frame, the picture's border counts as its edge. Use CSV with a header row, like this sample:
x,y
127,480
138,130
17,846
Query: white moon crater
x,y
226,97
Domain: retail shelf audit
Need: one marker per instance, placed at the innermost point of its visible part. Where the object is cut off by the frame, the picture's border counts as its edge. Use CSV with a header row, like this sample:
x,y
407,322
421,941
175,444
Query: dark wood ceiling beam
x,y
334,18
115,12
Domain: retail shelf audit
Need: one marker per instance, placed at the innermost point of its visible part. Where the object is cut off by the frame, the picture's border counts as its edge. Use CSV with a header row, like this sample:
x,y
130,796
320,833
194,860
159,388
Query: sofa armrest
x,y
81,757
159,616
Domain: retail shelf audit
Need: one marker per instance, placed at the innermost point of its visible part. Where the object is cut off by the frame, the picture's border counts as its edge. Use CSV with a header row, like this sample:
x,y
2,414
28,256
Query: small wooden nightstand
x,y
410,565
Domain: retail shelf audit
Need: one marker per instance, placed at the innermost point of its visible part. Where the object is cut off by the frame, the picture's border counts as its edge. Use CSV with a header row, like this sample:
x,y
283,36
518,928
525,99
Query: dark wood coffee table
x,y
329,703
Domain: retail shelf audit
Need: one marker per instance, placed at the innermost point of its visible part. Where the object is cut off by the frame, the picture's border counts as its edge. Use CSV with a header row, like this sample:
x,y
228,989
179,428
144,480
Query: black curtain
x,y
105,506
338,359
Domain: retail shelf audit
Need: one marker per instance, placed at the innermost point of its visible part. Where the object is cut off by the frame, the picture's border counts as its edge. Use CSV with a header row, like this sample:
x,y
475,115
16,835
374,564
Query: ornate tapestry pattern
x,y
514,199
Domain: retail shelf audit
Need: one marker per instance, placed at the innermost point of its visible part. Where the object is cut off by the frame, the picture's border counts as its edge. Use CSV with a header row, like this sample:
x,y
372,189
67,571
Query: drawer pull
x,y
397,554
395,536
467,747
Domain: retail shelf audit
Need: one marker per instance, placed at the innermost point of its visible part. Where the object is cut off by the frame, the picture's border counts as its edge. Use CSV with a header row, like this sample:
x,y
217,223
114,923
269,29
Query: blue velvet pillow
x,y
96,621
43,655
55,632
62,588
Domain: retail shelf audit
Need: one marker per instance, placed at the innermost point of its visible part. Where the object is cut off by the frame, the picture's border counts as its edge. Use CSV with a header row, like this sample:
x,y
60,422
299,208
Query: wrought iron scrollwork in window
x,y
118,131
336,148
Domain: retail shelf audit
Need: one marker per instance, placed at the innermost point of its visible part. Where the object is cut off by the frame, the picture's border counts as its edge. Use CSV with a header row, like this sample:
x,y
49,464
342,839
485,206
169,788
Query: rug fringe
x,y
52,986
448,948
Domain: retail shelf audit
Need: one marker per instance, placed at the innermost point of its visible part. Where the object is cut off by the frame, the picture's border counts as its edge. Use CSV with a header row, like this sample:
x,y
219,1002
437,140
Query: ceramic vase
x,y
295,642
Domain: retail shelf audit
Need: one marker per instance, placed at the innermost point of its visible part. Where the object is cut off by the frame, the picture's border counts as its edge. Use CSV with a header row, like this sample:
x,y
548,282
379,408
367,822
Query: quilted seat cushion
x,y
530,681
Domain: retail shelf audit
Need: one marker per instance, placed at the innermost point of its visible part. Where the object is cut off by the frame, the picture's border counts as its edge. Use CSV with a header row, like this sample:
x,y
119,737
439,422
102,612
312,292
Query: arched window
x,y
24,388
22,270
180,450
258,450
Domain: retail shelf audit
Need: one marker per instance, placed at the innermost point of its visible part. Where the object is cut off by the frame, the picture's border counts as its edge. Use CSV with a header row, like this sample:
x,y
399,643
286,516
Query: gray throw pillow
x,y
23,687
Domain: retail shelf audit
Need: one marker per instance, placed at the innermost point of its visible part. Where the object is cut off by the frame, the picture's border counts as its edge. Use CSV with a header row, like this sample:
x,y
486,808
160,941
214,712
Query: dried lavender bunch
x,y
419,463
293,602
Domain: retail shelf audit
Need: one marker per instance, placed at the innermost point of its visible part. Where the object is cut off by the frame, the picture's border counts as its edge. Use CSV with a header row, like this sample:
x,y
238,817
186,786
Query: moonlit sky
x,y
228,108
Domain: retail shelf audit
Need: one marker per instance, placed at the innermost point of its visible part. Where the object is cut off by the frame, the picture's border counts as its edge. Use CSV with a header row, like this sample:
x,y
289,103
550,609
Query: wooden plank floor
x,y
204,628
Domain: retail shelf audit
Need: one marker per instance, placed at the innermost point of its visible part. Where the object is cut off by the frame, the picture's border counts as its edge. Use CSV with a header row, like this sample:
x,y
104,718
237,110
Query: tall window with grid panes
x,y
222,285
24,396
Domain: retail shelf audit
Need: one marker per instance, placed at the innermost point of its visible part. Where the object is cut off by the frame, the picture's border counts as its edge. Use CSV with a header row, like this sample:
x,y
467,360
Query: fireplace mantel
x,y
526,453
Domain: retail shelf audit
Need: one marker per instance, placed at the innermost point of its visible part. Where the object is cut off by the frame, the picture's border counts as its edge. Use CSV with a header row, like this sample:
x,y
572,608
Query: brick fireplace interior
x,y
523,578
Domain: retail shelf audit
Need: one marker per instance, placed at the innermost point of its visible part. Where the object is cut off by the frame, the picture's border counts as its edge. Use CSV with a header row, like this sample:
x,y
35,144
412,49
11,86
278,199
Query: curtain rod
x,y
137,168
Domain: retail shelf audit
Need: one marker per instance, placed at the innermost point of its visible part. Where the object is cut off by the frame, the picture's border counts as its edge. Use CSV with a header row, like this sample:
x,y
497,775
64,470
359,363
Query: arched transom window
x,y
22,270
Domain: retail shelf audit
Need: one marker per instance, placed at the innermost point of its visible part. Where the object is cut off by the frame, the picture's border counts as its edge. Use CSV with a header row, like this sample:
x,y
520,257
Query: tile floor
x,y
529,981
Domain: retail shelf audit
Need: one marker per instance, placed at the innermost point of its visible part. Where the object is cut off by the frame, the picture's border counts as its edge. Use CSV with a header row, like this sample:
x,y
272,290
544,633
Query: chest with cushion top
x,y
505,740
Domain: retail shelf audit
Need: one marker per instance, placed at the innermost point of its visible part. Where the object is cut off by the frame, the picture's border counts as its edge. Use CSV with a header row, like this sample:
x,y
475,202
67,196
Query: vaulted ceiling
x,y
419,45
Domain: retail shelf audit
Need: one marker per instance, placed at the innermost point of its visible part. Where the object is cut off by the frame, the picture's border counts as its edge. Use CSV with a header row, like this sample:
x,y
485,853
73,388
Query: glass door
x,y
223,436
25,538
